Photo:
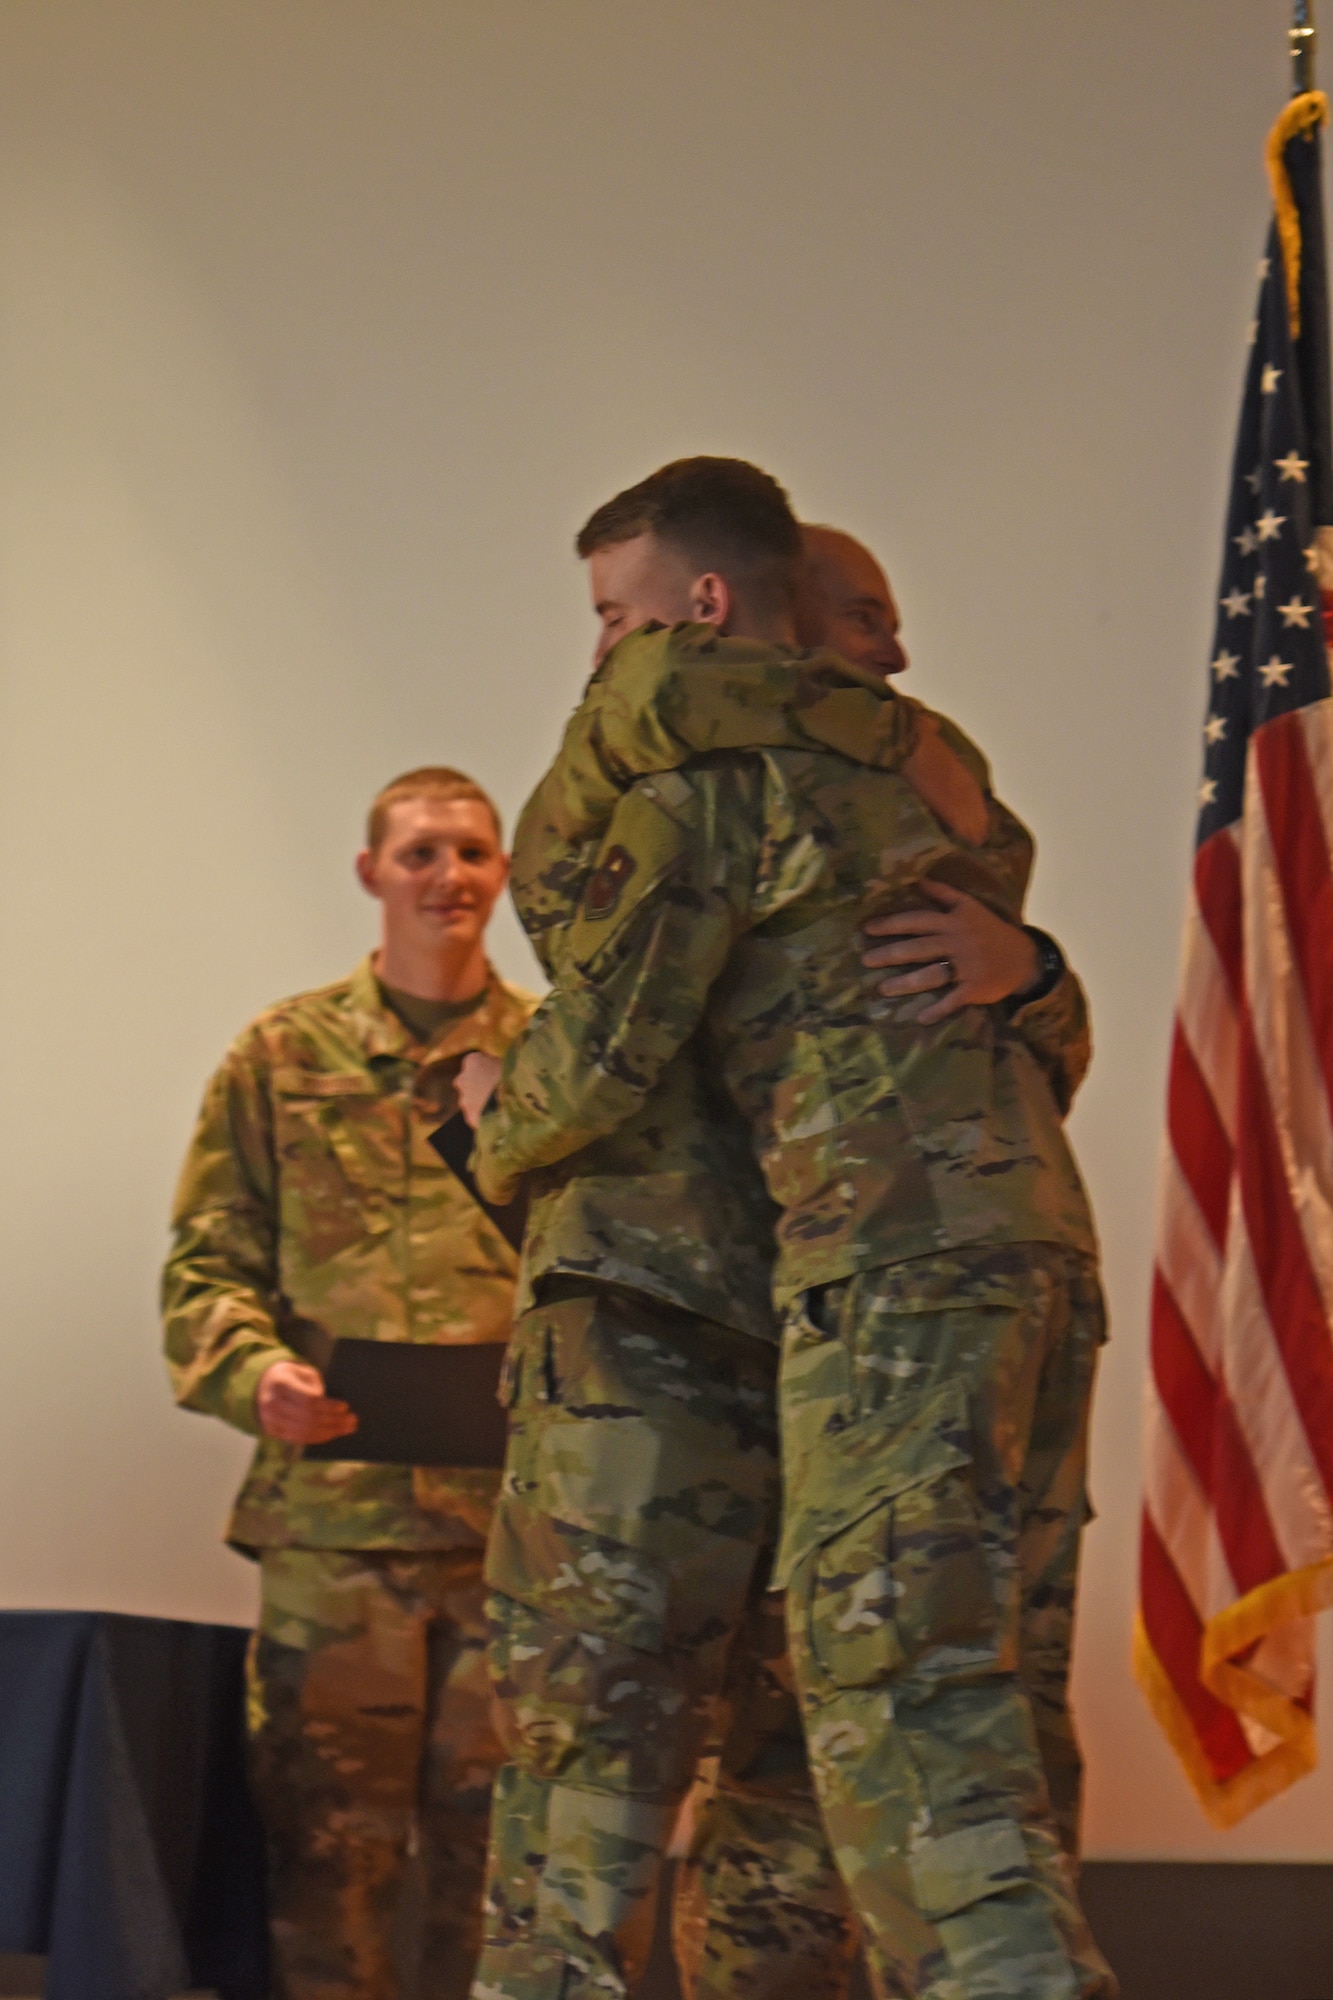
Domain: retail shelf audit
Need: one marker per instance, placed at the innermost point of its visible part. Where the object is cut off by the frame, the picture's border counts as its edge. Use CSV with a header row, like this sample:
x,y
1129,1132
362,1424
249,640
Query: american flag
x,y
1237,1536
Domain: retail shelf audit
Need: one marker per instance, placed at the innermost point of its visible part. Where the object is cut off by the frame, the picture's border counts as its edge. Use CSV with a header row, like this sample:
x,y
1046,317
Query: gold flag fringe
x,y
1301,115
1301,1594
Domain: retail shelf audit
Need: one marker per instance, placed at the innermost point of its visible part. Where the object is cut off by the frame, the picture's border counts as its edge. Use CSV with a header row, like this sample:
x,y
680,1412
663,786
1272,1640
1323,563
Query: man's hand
x,y
291,1406
942,780
959,945
475,1084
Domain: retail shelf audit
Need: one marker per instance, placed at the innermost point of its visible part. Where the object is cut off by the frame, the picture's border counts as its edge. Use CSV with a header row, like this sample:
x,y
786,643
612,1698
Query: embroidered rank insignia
x,y
607,882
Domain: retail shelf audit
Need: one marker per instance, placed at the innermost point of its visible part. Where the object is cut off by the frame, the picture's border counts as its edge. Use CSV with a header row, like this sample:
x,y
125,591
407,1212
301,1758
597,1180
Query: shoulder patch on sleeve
x,y
607,882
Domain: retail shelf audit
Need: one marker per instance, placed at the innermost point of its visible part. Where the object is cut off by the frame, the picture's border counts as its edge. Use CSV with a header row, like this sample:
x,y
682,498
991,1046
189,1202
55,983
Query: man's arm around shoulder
x,y
655,923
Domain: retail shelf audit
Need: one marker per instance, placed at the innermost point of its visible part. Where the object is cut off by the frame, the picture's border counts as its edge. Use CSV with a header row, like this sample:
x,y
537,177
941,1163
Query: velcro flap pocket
x,y
583,1580
901,1577
604,1853
851,1472
1001,1280
955,1870
323,1083
341,1144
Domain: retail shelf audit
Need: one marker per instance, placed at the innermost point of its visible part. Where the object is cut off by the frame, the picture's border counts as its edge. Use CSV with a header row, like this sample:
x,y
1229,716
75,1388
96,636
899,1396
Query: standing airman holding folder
x,y
313,1209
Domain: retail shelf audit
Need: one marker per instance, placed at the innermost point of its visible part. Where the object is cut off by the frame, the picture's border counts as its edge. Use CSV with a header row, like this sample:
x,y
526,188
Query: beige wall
x,y
322,326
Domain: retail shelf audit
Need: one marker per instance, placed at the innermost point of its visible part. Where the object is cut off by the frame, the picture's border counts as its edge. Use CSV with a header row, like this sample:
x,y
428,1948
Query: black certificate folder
x,y
417,1404
453,1141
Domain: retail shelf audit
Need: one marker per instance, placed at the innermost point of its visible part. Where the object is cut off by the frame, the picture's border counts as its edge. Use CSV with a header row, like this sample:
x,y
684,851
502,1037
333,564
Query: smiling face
x,y
847,605
437,873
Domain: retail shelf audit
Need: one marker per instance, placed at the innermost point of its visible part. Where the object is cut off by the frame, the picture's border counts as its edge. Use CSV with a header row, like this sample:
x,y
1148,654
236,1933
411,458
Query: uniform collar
x,y
381,1033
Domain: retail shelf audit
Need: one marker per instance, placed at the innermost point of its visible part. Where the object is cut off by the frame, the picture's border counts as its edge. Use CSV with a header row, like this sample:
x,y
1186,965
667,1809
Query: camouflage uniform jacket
x,y
671,1201
880,1139
311,1205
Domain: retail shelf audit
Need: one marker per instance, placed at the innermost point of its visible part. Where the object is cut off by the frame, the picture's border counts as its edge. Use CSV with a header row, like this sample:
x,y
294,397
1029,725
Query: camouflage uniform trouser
x,y
372,1739
934,1448
630,1631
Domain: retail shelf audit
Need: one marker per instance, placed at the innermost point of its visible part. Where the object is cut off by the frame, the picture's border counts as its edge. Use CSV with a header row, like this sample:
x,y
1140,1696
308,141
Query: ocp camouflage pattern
x,y
759,1910
630,1632
747,874
372,1739
671,1202
880,1138
934,1421
312,1206
662,696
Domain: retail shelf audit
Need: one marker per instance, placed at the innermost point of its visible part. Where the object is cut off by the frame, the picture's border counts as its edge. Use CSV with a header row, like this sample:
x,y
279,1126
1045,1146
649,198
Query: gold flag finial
x,y
1301,39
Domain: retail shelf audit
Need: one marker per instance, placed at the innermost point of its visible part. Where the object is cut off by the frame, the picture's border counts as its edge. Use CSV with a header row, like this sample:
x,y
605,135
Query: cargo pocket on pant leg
x,y
577,1627
604,1863
577,1578
955,1870
882,1542
1006,1913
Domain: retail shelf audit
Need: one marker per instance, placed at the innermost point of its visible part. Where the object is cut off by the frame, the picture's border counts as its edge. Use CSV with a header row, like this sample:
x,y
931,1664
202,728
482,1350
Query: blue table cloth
x,y
130,1852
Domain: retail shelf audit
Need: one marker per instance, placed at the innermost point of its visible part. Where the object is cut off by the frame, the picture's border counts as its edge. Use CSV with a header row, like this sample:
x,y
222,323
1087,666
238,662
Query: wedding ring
x,y
950,971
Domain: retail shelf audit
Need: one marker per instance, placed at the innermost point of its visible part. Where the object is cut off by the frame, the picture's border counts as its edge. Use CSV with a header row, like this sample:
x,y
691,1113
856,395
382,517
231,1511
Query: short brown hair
x,y
723,513
432,781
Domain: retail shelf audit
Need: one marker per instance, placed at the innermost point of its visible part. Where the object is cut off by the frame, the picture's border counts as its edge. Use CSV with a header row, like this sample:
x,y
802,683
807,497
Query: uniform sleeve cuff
x,y
498,1185
237,1402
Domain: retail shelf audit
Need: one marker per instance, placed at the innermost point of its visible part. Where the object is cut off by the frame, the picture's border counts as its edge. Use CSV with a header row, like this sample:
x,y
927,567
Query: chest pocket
x,y
342,1164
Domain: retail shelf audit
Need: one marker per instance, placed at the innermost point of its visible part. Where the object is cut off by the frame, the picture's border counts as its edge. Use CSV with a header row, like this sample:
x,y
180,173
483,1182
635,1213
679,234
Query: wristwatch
x,y
1050,968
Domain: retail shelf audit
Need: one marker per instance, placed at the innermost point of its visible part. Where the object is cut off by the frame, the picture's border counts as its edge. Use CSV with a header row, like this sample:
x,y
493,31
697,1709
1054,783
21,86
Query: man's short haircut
x,y
432,781
723,514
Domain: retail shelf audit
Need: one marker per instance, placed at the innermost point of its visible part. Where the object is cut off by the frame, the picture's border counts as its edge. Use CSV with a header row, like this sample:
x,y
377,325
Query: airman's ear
x,y
365,872
711,600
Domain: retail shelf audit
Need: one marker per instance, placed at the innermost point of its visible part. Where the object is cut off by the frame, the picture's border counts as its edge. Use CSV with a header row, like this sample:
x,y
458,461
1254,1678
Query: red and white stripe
x,y
1237,1544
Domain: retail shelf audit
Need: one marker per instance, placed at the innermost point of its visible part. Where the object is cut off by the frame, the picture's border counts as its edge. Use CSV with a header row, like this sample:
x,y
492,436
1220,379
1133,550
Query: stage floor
x,y
1172,1931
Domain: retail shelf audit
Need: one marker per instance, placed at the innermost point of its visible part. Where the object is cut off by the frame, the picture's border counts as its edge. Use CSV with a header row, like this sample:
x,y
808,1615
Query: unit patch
x,y
607,882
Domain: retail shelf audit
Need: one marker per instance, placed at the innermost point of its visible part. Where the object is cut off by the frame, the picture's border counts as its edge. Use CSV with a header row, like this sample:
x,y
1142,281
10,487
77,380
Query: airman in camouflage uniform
x,y
655,1241
935,1268
642,1387
312,1207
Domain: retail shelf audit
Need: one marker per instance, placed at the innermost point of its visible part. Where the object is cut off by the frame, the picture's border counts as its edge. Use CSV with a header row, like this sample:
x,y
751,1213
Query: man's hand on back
x,y
292,1407
959,945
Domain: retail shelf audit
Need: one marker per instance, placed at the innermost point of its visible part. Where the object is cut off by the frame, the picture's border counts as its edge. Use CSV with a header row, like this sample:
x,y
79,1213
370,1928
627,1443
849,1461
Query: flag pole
x,y
1301,39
